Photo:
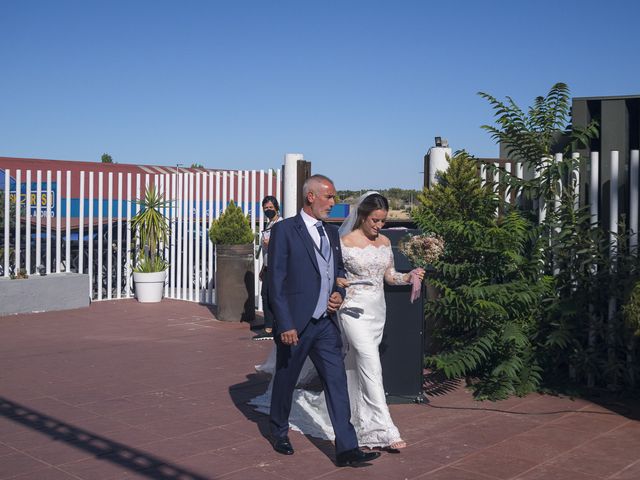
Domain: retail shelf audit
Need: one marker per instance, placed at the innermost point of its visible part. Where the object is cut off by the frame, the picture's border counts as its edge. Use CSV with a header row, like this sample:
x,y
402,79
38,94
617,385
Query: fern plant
x,y
580,335
491,290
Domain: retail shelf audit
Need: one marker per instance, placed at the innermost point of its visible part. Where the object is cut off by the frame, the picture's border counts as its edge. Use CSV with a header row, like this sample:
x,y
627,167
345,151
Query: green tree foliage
x,y
231,228
580,336
106,158
491,292
197,165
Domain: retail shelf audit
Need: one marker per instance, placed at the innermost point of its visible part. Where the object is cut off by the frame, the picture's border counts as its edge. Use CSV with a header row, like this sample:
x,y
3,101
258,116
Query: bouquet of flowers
x,y
422,250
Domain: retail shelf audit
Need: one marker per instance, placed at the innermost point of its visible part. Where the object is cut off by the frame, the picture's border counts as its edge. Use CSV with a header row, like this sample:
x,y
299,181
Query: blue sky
x,y
359,87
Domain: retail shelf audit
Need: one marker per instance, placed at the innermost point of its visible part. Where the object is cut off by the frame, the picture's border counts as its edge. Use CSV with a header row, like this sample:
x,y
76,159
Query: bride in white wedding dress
x,y
368,260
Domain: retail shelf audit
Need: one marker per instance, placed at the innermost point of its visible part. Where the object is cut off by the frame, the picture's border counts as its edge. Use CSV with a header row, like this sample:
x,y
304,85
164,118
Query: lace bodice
x,y
370,263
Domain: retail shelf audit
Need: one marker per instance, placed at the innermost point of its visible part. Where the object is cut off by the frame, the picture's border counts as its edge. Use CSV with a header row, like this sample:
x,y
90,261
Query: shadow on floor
x,y
257,384
102,447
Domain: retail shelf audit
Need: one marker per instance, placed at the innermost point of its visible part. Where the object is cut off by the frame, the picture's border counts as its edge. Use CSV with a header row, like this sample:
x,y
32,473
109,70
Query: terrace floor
x,y
126,390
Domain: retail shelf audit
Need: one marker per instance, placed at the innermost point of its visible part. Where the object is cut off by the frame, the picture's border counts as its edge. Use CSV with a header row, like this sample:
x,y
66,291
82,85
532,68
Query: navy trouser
x,y
320,341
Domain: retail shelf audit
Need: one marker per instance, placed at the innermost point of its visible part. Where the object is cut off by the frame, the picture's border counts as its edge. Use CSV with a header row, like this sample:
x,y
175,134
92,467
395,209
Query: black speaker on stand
x,y
402,346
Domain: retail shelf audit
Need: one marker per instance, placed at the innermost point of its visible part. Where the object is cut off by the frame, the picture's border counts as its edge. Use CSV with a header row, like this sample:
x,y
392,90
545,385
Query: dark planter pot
x,y
235,292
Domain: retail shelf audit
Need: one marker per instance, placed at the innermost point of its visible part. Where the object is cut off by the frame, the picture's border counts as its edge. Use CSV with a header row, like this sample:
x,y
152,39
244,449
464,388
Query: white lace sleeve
x,y
391,276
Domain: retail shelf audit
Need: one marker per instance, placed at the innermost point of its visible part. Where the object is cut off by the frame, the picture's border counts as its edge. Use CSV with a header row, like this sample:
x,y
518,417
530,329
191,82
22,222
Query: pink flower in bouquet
x,y
422,250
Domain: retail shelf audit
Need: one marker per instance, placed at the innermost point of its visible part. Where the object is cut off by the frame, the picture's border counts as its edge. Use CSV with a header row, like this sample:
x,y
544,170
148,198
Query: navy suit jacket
x,y
294,275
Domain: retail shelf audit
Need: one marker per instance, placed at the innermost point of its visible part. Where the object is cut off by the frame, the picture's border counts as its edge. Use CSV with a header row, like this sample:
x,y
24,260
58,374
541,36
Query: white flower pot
x,y
149,286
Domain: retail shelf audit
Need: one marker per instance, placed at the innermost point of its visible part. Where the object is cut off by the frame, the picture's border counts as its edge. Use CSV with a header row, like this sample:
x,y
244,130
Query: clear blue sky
x,y
359,87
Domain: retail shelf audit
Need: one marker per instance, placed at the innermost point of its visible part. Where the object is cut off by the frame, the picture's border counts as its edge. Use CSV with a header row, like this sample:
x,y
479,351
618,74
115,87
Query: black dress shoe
x,y
283,446
354,457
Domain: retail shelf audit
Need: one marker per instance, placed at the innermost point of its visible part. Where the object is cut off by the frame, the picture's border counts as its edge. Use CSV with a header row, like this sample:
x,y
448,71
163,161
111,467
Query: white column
x,y
438,162
290,196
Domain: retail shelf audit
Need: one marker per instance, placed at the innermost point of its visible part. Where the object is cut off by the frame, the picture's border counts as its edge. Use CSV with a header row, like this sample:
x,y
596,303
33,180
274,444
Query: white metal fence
x,y
56,223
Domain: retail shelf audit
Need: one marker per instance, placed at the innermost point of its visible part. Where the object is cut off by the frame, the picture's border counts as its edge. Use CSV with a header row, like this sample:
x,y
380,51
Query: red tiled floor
x,y
124,390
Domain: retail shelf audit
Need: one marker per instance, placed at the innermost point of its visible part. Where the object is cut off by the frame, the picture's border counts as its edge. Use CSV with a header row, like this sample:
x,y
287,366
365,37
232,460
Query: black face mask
x,y
271,214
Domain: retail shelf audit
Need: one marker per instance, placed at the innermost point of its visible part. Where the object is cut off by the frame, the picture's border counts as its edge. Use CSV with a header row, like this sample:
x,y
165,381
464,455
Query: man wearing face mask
x,y
271,210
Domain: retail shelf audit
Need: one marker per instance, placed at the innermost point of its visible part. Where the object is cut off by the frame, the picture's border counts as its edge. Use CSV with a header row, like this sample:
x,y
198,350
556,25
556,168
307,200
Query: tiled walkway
x,y
125,390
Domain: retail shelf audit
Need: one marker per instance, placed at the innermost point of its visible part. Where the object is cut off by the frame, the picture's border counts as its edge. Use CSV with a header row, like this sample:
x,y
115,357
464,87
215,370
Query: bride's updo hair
x,y
373,202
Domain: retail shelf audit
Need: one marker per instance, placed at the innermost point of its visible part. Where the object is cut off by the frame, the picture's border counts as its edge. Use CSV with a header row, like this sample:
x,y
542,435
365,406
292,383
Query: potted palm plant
x,y
234,282
151,230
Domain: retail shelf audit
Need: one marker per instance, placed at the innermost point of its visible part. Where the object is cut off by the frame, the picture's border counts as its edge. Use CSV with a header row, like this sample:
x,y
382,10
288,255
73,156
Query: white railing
x,y
90,231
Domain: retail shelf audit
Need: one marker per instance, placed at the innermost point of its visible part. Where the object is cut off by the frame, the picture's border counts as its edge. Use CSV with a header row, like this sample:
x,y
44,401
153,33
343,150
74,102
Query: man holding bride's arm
x,y
304,261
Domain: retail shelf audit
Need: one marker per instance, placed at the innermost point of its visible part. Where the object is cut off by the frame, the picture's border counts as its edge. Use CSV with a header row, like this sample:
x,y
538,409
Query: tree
x,y
106,158
491,291
579,338
197,165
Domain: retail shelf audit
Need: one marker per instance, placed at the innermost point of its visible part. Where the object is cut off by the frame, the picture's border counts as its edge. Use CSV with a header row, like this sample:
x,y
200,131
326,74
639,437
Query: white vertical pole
x,y
483,174
172,221
254,203
48,211
136,209
167,214
633,199
81,226
290,197
58,220
613,247
246,204
262,194
128,262
278,183
67,255
594,186
18,229
218,194
507,192
240,194
232,186
270,182
225,199
38,259
27,221
574,180
559,186
119,203
542,204
180,244
109,236
613,198
100,234
186,246
191,240
209,243
7,209
202,221
197,239
90,240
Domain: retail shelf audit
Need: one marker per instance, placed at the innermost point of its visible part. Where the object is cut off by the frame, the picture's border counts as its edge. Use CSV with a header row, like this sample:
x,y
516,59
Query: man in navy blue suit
x,y
304,261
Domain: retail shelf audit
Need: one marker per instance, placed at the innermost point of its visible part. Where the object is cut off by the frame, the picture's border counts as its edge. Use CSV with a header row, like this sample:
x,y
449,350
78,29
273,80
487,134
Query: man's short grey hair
x,y
312,182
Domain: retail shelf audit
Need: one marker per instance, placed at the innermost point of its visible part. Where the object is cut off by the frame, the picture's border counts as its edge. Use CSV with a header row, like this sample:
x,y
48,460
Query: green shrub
x,y
231,228
490,289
